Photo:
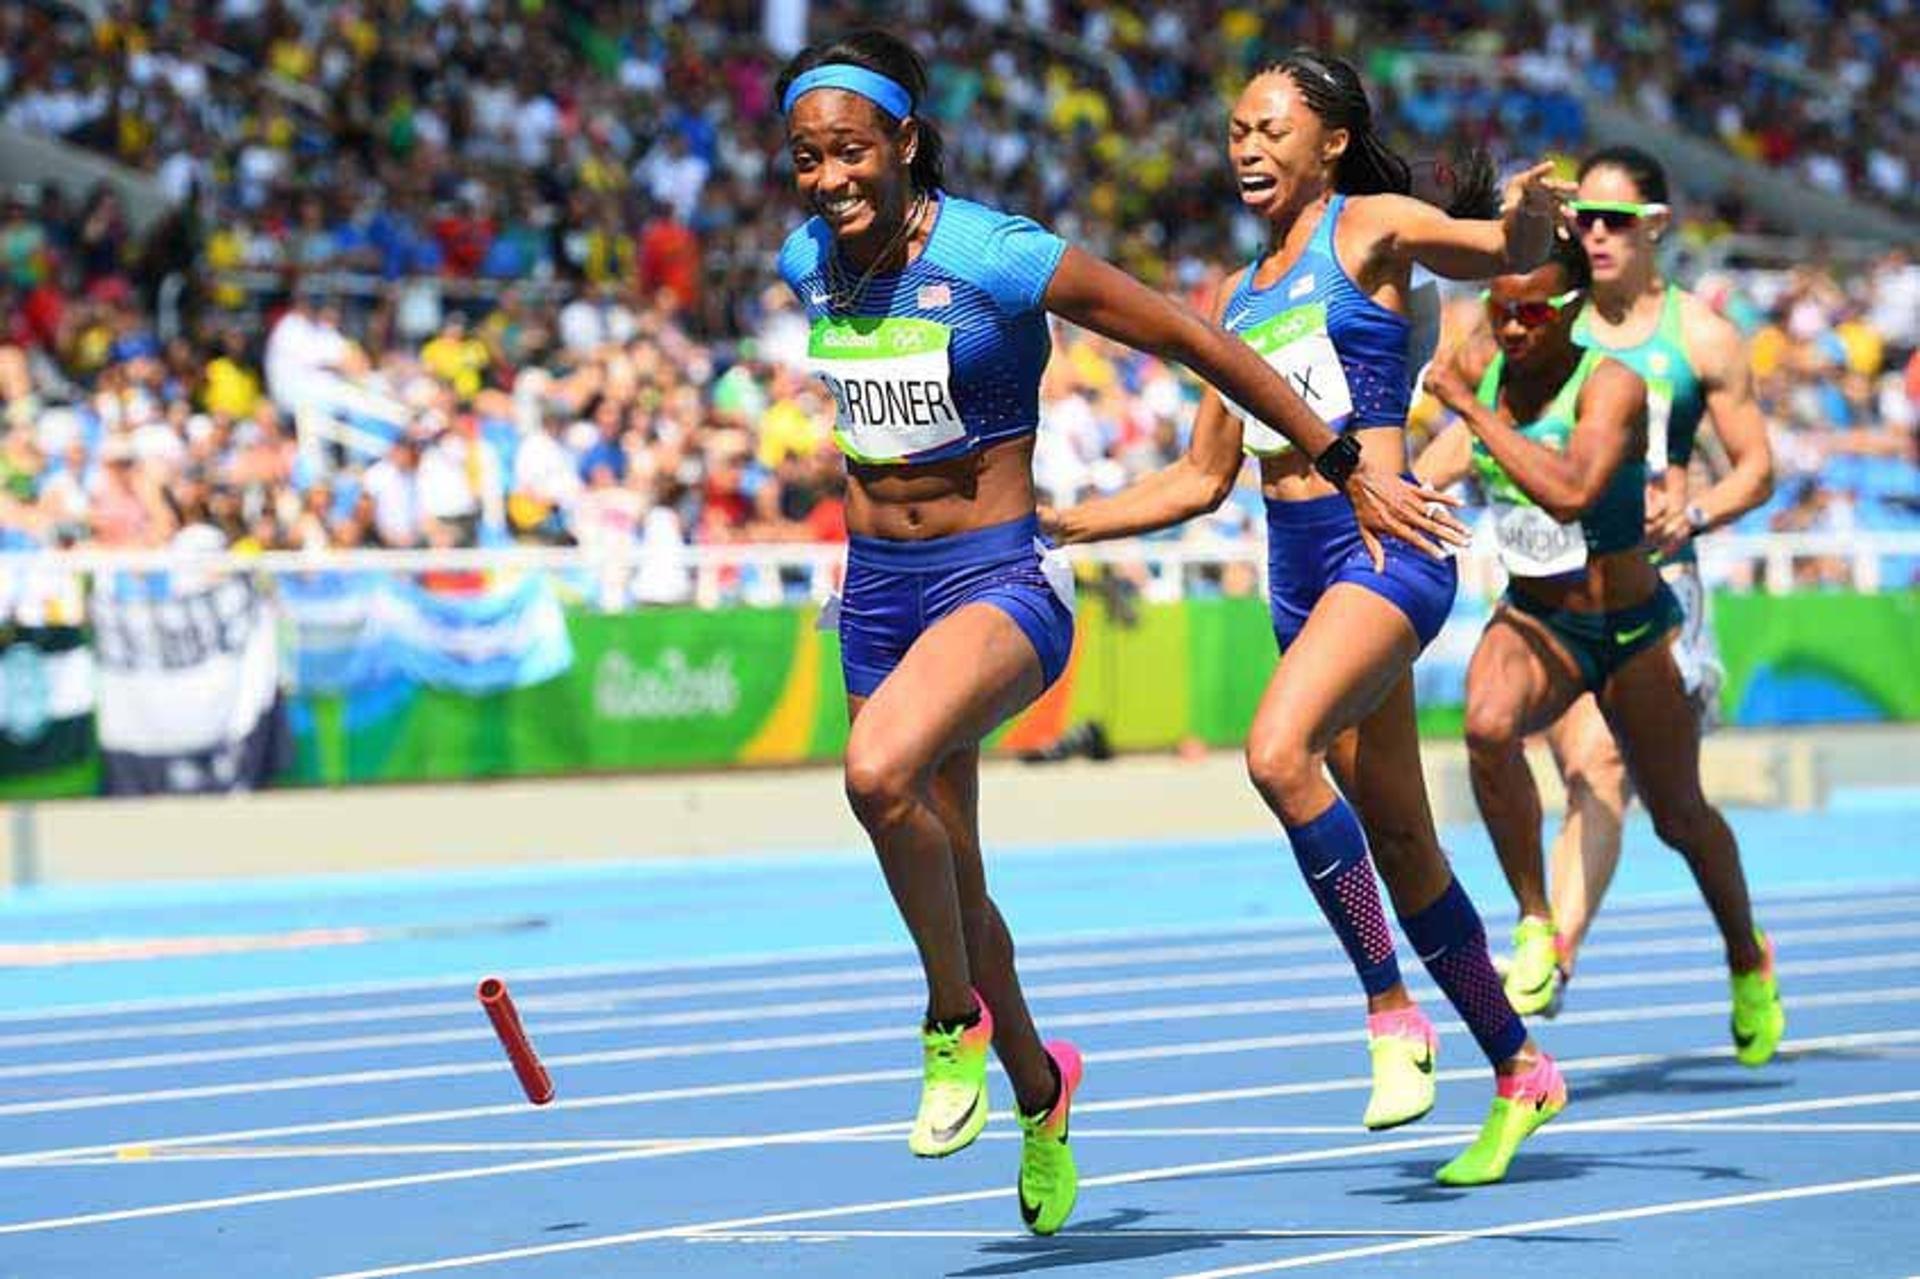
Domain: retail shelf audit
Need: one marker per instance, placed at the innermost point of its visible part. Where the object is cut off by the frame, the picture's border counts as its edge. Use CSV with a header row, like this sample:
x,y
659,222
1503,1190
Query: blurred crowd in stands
x,y
475,272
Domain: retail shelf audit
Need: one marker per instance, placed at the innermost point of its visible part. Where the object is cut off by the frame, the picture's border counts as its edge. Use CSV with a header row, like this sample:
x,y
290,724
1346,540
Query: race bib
x,y
1295,344
1534,544
891,381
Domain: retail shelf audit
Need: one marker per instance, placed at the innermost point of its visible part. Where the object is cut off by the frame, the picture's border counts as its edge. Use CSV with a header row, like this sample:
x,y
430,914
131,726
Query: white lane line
x,y
218,1154
1009,1136
1038,948
603,999
1790,940
545,1032
813,1136
1838,1129
1153,1052
1586,1065
1364,1150
1266,1091
841,1234
1157,1014
1657,910
1540,1225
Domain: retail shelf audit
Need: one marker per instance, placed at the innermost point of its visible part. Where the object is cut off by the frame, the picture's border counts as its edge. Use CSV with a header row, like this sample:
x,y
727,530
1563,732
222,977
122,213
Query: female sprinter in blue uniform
x,y
1559,439
1695,367
1327,306
929,325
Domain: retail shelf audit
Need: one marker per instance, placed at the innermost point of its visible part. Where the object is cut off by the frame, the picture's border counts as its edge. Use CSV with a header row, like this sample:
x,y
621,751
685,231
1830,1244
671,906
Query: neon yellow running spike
x,y
1404,1050
1522,1103
953,1094
1049,1181
1533,975
1759,1021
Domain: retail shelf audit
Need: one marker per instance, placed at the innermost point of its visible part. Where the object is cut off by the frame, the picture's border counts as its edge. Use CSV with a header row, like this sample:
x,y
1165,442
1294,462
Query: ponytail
x,y
1466,186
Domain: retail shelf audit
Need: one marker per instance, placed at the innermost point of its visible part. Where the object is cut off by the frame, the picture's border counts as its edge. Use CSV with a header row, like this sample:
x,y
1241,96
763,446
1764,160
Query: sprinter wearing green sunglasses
x,y
1695,366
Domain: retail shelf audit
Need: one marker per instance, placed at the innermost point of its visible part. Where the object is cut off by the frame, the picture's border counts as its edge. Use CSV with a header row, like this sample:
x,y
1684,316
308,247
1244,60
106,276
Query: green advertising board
x,y
687,688
682,688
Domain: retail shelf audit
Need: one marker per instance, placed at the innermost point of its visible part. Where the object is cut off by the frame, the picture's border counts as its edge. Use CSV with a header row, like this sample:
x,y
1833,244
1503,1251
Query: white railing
x,y
766,573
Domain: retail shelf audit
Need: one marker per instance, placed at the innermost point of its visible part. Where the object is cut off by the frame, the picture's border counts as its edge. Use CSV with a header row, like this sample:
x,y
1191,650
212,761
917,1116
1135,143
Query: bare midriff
x,y
938,499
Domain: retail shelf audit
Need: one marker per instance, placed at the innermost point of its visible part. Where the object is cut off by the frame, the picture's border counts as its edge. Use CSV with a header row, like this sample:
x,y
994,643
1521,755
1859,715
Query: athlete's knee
x,y
1491,730
1598,775
1285,769
883,786
1688,826
1398,843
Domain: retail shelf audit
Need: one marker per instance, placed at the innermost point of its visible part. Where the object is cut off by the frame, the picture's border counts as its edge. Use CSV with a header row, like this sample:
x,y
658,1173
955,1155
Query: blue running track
x,y
293,1078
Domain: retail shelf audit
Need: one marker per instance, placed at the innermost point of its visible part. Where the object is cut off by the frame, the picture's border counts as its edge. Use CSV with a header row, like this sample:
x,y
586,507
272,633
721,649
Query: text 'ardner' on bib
x,y
891,380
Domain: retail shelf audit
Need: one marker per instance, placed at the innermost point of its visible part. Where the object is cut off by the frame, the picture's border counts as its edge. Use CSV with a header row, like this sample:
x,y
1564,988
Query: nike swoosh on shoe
x,y
953,1130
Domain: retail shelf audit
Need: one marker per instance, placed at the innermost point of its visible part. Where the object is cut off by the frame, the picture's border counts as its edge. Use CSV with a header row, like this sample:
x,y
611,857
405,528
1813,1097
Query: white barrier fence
x,y
775,573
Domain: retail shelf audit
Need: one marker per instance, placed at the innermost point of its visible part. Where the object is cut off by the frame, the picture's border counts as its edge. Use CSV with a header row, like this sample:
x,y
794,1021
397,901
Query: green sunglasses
x,y
1615,215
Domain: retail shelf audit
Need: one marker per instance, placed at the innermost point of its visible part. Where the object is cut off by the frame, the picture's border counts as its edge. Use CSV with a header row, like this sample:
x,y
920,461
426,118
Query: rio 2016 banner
x,y
684,688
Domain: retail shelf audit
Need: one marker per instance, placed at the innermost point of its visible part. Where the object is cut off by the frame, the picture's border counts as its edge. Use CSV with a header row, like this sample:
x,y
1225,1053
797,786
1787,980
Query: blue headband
x,y
889,95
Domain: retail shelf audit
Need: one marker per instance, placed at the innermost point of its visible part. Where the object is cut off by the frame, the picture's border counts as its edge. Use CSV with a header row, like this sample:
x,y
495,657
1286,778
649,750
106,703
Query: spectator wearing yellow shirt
x,y
1074,105
456,357
228,386
1866,349
1768,350
787,429
227,251
289,54
611,254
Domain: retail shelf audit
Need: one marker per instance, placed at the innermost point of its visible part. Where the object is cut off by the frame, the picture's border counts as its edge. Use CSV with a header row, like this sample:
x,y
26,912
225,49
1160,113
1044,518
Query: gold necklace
x,y
843,296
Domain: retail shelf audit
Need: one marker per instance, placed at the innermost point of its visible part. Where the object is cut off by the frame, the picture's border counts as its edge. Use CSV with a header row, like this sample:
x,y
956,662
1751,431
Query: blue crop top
x,y
1343,352
944,357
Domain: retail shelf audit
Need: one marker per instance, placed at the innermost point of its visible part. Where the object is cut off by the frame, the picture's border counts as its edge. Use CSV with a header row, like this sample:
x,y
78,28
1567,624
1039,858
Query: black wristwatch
x,y
1337,462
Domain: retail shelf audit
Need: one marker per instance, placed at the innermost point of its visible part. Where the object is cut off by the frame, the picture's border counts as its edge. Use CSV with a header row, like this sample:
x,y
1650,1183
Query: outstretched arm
x,y
1192,484
1473,248
1099,296
1107,300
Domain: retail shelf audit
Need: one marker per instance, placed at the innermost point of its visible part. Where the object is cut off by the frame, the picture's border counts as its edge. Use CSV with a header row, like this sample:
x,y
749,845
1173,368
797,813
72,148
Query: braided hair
x,y
1467,187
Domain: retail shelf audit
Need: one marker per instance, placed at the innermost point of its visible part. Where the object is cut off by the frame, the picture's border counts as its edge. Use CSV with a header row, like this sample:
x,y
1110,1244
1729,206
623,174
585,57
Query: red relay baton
x,y
506,1024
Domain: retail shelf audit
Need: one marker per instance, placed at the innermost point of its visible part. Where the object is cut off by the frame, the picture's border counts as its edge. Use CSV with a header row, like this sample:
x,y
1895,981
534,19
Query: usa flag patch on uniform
x,y
932,295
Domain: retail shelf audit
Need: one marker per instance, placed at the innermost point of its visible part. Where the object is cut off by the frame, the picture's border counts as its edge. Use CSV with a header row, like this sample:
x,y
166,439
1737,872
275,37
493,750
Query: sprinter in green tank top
x,y
1695,366
1559,435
